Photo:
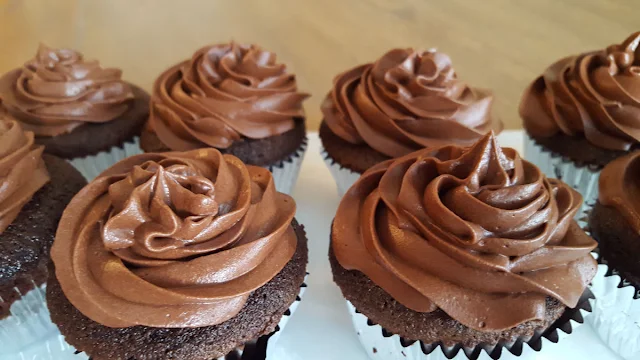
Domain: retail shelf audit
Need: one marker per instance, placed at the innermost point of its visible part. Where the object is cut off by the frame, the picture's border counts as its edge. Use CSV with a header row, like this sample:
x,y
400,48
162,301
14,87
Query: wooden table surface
x,y
499,44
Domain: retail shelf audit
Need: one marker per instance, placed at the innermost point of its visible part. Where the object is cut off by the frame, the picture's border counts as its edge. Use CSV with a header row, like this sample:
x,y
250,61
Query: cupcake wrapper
x,y
285,173
27,325
56,348
263,347
92,165
616,312
380,344
343,177
582,178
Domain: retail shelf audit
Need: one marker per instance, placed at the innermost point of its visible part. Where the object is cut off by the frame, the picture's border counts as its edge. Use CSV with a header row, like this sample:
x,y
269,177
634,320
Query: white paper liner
x,y
285,174
54,347
273,340
343,177
92,165
582,178
616,314
27,325
381,346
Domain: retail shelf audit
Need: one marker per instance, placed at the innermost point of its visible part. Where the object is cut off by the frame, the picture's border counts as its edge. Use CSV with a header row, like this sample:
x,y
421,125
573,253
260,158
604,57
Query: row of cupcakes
x,y
232,97
432,202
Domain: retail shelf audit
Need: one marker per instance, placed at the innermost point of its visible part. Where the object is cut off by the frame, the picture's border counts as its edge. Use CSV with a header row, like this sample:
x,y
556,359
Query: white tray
x,y
321,328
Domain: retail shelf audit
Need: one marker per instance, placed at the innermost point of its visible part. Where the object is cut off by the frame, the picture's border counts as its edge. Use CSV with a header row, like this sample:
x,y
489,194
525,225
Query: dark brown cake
x,y
92,138
259,316
579,150
357,158
25,244
433,327
618,243
260,152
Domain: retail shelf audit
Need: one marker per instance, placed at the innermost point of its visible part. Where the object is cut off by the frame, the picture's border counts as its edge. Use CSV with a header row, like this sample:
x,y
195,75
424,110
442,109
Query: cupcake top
x,y
223,93
172,240
407,100
619,188
22,170
595,95
57,91
472,231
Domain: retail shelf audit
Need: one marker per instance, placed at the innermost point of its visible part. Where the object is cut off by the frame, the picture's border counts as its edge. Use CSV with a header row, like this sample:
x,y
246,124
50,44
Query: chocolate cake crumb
x,y
350,156
25,244
260,152
380,308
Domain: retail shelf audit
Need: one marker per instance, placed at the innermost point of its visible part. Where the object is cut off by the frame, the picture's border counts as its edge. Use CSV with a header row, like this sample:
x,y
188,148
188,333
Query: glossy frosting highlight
x,y
173,240
472,231
619,187
58,90
22,170
405,101
596,94
223,93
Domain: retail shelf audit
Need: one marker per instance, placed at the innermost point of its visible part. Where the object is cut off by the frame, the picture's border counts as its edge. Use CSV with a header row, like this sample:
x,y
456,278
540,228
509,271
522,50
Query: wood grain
x,y
499,44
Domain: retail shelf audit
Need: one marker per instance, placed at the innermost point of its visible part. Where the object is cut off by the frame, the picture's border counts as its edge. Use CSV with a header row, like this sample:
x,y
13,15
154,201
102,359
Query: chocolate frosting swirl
x,y
405,101
472,231
22,170
58,90
596,94
619,187
223,93
173,240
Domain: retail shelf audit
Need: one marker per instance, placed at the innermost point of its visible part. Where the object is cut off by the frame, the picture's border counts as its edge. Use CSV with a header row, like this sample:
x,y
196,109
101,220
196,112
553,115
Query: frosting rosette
x,y
619,187
22,170
172,240
472,231
596,94
405,101
223,93
58,90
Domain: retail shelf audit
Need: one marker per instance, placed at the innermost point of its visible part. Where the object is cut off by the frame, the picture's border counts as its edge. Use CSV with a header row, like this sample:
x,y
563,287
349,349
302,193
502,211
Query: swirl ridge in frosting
x,y
619,187
405,101
22,170
173,240
595,94
58,90
472,231
223,93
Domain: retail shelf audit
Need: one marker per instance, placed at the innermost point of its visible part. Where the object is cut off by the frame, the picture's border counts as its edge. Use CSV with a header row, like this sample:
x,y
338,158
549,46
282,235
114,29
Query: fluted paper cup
x,y
380,344
616,312
285,173
343,177
27,326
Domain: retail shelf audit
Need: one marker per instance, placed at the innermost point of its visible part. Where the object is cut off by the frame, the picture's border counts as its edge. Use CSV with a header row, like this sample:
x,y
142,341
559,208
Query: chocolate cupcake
x,y
614,222
34,189
181,255
584,112
77,109
435,245
235,98
405,101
